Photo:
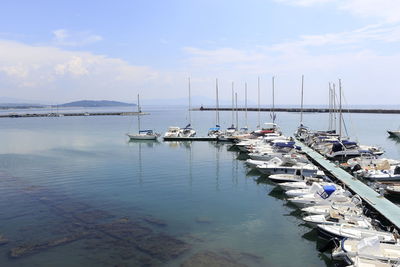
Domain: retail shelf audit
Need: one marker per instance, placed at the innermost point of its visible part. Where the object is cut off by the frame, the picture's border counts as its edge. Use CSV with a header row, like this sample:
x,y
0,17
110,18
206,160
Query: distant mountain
x,y
96,103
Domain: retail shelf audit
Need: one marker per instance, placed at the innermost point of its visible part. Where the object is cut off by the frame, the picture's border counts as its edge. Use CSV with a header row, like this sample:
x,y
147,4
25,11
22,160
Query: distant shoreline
x,y
75,104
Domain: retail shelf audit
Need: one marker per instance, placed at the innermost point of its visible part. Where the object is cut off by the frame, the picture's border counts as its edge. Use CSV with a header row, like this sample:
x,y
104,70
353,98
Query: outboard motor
x,y
356,167
397,170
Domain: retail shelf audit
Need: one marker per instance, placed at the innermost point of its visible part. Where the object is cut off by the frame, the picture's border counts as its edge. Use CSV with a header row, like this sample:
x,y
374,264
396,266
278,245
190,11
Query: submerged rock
x,y
28,249
202,219
155,221
211,259
163,247
3,240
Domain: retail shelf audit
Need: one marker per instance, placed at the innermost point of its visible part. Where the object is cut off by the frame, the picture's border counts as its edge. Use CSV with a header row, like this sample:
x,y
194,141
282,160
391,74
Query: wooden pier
x,y
309,110
385,207
71,114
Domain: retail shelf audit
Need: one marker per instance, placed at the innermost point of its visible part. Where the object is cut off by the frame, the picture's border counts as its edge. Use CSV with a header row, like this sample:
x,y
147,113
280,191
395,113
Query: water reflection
x,y
394,139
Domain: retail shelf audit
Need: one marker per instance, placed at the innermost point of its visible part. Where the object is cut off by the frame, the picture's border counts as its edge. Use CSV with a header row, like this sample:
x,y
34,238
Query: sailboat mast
x,y
233,108
258,87
217,104
237,113
329,107
273,99
302,95
334,106
340,109
245,104
139,110
190,115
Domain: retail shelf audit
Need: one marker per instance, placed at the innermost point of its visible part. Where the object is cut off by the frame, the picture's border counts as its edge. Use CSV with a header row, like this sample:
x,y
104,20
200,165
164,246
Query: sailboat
x,y
232,130
302,132
270,128
142,134
178,133
216,131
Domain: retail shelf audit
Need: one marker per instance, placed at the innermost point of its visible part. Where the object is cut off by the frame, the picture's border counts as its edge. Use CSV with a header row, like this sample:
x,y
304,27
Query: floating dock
x,y
189,139
385,207
72,114
309,110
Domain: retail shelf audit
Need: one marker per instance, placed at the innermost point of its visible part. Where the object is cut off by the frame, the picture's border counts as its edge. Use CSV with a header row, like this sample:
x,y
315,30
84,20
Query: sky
x,y
59,51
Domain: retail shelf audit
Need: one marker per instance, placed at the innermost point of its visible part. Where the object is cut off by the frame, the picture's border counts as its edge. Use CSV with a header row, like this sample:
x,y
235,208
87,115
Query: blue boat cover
x,y
145,131
284,144
346,142
214,129
328,190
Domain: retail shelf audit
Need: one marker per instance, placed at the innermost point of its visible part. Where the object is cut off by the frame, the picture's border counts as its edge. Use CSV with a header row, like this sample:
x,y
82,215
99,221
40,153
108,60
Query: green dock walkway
x,y
385,207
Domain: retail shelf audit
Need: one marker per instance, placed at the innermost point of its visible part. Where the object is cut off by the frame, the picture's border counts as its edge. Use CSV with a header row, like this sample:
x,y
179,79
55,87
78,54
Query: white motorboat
x,y
346,207
276,166
395,133
172,131
391,174
353,232
304,191
370,161
214,132
368,248
268,128
187,132
362,262
298,176
353,206
345,149
254,163
293,185
336,218
324,195
393,190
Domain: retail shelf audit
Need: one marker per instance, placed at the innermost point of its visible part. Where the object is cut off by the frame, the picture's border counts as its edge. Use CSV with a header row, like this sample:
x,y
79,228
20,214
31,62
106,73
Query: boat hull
x,y
142,137
178,138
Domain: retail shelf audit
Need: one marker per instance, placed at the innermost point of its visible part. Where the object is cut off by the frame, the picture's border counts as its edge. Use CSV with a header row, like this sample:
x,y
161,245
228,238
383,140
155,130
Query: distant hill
x,y
96,103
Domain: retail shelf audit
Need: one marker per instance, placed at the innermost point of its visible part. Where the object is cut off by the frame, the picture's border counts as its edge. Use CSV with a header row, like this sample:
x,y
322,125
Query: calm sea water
x,y
75,192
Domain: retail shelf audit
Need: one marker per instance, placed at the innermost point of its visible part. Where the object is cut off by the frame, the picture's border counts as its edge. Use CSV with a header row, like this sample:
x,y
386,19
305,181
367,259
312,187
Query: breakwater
x,y
70,114
308,110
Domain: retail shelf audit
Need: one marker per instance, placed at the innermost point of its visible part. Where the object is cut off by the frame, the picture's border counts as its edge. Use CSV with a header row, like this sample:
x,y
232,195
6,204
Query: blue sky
x,y
57,51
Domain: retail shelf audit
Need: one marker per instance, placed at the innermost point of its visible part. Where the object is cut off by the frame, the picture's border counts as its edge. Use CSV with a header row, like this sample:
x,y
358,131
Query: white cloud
x,y
322,58
48,73
387,10
63,37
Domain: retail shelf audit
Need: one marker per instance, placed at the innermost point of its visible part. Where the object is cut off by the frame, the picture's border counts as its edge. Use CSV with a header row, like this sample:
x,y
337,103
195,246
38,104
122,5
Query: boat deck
x,y
385,207
190,138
